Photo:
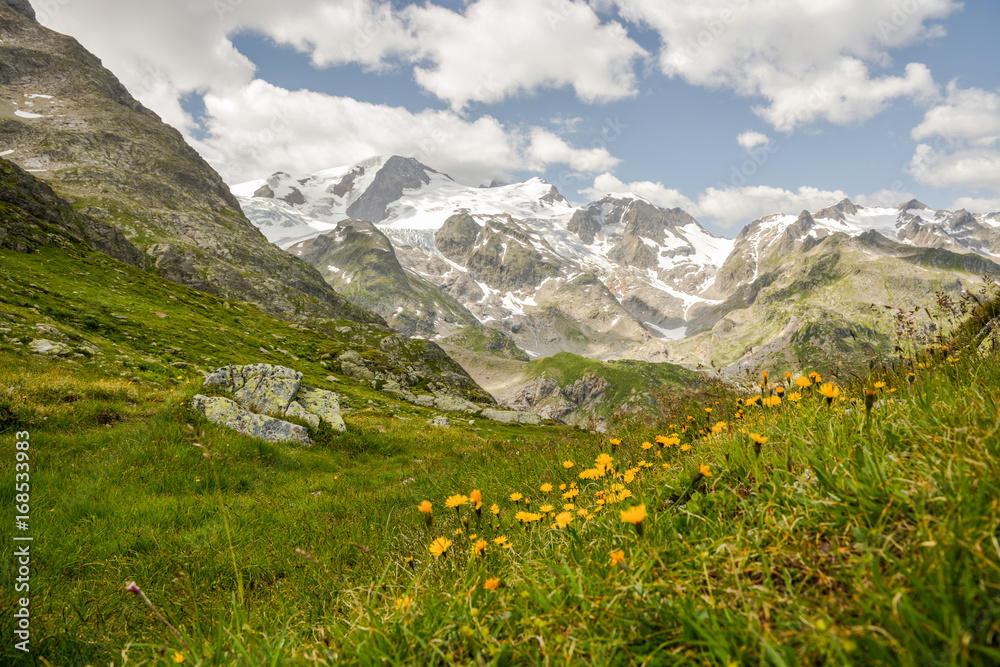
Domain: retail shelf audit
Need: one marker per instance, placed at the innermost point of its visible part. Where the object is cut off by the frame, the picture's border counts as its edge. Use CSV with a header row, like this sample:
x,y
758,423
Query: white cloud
x,y
729,207
655,193
810,60
962,167
264,128
960,135
724,207
500,48
968,114
749,139
977,205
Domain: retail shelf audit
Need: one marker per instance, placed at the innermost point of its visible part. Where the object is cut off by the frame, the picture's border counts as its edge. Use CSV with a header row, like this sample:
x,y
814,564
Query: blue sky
x,y
878,100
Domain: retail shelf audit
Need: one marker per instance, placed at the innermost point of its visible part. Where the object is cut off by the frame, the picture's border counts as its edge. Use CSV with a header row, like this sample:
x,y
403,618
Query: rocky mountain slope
x,y
68,120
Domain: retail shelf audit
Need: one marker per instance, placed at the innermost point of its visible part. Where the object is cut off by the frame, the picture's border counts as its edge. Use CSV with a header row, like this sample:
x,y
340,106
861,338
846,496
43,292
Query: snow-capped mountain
x,y
617,277
620,272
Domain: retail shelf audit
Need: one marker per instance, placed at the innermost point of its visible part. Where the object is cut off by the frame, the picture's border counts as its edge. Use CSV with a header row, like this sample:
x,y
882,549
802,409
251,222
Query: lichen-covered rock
x,y
440,422
296,411
455,404
323,404
511,416
48,347
352,365
261,388
224,412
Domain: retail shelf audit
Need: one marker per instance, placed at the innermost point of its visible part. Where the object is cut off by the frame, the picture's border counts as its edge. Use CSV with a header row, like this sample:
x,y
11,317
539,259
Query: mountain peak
x,y
837,212
914,205
21,7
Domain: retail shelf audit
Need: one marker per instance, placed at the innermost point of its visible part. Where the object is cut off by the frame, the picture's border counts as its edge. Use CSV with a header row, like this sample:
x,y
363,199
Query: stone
x,y
441,422
50,348
261,388
50,331
323,404
297,411
225,412
511,416
424,401
455,404
352,365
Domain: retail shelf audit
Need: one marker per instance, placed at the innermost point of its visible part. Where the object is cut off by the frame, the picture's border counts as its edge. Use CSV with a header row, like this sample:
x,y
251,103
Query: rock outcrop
x,y
261,394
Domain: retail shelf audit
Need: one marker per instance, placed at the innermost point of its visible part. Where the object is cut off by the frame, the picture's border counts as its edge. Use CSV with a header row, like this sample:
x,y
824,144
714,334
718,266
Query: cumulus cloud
x,y
655,193
809,60
749,139
977,204
967,114
729,207
959,141
264,128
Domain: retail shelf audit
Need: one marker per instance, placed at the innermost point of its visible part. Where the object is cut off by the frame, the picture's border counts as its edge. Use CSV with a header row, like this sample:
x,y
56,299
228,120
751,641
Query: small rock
x,y
183,365
159,314
50,348
511,416
441,422
50,331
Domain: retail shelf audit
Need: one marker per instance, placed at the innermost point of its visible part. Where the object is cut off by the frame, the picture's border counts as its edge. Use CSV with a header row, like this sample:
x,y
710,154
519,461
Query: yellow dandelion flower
x,y
758,438
178,657
830,390
705,470
439,547
633,515
546,487
491,584
771,401
563,519
567,464
479,548
495,509
615,441
500,541
617,557
425,507
477,498
647,445
569,507
456,501
515,497
880,385
403,602
545,509
685,447
794,397
803,382
719,427
572,493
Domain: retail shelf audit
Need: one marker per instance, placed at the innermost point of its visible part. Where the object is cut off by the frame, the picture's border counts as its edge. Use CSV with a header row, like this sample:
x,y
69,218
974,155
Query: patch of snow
x,y
667,334
34,96
7,152
25,114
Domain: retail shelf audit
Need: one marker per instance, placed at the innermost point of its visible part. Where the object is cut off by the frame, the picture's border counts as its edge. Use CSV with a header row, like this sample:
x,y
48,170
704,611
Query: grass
x,y
847,538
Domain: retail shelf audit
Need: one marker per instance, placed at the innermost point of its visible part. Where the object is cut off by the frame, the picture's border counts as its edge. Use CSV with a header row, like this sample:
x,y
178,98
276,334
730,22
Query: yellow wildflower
x,y
563,519
492,584
546,487
567,464
440,546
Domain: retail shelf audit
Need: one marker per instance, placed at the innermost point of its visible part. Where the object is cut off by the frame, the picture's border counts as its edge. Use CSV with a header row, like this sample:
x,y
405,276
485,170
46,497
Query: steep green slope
x,y
119,163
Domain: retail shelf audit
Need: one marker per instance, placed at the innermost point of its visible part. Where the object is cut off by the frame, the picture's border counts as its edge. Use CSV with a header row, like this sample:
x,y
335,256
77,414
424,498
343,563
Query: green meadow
x,y
854,520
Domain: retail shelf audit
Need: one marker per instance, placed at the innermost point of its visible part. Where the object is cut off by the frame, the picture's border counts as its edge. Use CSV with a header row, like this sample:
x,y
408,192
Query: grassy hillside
x,y
849,537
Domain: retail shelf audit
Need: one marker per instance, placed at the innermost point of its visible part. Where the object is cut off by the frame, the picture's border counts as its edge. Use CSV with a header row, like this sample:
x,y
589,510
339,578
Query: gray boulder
x,y
50,348
277,391
511,416
224,412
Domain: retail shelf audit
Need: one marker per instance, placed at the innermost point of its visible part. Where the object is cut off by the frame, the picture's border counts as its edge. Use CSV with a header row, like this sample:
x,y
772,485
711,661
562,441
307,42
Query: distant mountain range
x,y
614,278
